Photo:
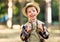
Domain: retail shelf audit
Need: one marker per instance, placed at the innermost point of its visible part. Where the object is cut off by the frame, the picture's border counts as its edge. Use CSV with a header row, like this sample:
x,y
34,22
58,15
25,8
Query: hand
x,y
40,28
28,29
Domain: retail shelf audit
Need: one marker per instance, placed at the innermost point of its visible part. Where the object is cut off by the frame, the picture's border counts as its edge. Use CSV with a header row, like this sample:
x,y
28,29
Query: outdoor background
x,y
11,19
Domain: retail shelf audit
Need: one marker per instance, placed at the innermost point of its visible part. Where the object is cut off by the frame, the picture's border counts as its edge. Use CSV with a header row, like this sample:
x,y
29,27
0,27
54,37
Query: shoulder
x,y
40,22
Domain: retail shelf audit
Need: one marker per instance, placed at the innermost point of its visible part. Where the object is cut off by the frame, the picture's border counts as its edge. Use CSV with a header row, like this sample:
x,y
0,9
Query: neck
x,y
32,20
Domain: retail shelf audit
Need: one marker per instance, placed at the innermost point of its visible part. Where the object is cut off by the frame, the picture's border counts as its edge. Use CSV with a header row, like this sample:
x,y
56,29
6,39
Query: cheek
x,y
36,13
28,15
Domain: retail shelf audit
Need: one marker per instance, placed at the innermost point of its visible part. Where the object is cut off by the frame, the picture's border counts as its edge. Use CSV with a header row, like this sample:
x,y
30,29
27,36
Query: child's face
x,y
31,12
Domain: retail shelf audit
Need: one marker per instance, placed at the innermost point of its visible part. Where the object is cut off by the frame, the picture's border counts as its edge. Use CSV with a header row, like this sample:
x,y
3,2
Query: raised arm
x,y
25,32
44,33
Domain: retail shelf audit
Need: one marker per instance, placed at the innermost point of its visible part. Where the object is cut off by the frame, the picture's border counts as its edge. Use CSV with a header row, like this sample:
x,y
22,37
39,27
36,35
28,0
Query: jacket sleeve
x,y
24,35
44,33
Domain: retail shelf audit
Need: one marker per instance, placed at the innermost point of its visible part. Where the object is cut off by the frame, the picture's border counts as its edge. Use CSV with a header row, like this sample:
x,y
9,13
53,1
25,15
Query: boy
x,y
34,30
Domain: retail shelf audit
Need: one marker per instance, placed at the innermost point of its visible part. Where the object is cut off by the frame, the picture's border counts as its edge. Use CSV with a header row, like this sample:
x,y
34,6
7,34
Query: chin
x,y
32,18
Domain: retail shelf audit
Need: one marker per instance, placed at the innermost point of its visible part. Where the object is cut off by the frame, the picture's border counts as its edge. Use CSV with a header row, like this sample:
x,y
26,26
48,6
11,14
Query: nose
x,y
32,12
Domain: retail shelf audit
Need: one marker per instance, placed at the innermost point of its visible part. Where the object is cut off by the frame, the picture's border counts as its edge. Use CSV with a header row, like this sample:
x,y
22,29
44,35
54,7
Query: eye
x,y
33,10
29,12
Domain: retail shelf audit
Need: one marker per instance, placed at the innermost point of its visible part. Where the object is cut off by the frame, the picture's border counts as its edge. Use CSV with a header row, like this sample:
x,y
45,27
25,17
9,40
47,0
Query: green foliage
x,y
16,8
3,8
41,16
25,19
38,1
55,10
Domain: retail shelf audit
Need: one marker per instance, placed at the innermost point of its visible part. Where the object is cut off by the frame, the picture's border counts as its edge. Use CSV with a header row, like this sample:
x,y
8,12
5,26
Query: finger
x,y
40,27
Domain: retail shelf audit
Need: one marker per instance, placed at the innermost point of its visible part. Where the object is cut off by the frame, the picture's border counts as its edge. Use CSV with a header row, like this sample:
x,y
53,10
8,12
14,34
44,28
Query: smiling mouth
x,y
32,15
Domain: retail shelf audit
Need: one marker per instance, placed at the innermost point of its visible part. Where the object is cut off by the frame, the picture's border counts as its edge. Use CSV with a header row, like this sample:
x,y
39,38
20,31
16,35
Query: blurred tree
x,y
3,6
3,10
16,12
17,9
42,5
55,10
18,17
